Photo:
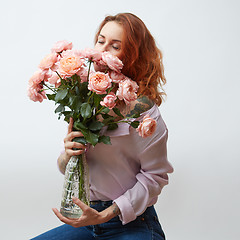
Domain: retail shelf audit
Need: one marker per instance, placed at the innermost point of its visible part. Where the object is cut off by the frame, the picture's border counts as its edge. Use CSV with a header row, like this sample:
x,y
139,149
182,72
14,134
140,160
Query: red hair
x,y
141,57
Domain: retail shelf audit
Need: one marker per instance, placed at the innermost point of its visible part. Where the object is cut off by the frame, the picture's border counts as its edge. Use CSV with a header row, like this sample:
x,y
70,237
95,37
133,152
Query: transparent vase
x,y
76,184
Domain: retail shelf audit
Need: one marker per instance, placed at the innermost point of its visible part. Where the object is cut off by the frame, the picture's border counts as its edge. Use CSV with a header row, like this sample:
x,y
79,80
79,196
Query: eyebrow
x,y
114,40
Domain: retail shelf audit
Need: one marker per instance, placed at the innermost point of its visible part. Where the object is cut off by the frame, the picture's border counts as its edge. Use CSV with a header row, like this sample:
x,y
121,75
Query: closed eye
x,y
116,46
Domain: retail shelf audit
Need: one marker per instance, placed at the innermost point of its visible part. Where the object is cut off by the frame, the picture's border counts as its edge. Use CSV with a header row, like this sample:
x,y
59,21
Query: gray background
x,y
200,42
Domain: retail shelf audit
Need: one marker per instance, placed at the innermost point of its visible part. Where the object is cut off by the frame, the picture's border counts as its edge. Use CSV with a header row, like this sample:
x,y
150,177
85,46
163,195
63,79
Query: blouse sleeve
x,y
151,178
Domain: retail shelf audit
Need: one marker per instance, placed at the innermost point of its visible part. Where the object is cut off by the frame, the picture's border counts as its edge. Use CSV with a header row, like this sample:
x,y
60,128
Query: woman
x,y
127,176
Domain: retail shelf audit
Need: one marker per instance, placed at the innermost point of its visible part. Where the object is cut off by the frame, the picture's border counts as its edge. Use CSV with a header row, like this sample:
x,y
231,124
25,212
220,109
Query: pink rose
x,y
92,54
147,127
99,82
116,77
127,90
36,94
76,52
109,100
37,77
83,74
35,86
55,66
100,66
48,61
61,46
54,79
70,64
113,62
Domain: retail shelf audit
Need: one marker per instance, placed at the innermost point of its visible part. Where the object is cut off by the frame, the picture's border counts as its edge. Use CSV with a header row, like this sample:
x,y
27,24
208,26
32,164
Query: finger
x,y
81,204
72,135
73,145
74,152
62,218
70,125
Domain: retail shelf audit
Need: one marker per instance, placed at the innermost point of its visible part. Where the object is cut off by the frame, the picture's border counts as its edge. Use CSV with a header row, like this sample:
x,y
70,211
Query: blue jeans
x,y
144,227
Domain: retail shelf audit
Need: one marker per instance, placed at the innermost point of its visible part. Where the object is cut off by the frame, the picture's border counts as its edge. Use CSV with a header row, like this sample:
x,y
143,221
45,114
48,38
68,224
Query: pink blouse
x,y
133,170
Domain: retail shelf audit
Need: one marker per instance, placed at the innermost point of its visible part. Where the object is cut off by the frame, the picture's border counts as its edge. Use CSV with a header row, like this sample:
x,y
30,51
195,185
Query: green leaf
x,y
107,118
51,96
79,126
59,116
77,90
64,102
135,115
60,108
105,140
134,124
112,126
92,138
85,133
71,99
81,140
67,115
61,94
83,91
86,110
117,111
97,99
96,126
76,105
76,78
105,110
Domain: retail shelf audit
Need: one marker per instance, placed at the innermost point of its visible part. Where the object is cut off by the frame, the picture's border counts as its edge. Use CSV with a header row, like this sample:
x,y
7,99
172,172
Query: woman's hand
x,y
89,217
69,144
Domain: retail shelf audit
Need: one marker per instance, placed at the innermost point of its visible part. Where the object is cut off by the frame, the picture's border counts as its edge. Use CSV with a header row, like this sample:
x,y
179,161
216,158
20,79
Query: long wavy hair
x,y
141,57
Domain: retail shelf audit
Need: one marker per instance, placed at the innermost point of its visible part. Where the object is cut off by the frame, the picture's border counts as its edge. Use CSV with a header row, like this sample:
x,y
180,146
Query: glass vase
x,y
76,184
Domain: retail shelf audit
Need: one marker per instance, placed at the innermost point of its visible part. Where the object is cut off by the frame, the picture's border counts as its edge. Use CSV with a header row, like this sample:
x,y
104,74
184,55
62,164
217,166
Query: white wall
x,y
200,42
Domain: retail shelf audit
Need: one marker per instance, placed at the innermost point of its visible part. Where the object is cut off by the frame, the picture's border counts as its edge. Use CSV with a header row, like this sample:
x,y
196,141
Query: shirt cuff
x,y
127,212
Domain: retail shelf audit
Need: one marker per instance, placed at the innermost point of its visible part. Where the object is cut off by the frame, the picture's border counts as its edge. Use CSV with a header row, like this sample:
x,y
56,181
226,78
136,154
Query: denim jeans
x,y
144,227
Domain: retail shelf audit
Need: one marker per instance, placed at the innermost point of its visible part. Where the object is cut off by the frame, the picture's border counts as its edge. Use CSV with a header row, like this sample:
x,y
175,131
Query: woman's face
x,y
110,39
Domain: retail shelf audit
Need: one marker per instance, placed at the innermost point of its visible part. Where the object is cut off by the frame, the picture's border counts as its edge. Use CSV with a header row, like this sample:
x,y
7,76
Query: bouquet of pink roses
x,y
81,93
66,76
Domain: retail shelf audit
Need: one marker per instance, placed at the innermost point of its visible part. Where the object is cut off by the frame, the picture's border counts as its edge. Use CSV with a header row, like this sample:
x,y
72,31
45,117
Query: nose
x,y
102,48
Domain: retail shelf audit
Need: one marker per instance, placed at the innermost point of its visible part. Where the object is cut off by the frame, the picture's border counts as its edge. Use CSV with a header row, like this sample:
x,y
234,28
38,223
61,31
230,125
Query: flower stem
x,y
99,110
90,97
81,180
119,122
90,62
48,87
58,75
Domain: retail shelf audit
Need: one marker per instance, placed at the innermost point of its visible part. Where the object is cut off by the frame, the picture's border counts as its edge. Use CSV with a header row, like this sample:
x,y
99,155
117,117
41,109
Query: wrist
x,y
66,157
109,213
63,161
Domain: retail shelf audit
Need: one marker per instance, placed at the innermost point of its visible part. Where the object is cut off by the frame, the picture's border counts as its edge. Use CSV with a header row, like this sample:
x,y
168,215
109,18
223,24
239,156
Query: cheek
x,y
121,55
118,54
96,47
